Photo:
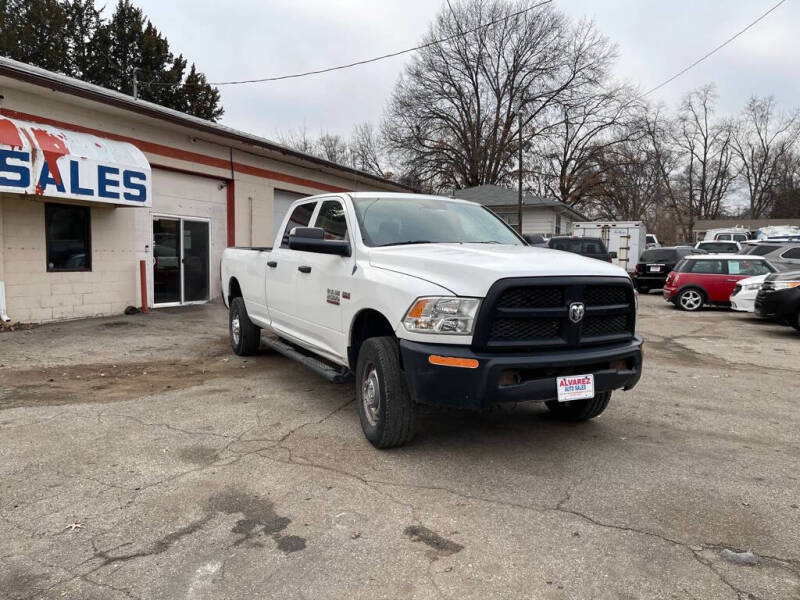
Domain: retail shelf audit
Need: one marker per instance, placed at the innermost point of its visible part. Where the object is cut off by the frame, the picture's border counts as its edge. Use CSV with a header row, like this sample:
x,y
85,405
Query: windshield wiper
x,y
406,242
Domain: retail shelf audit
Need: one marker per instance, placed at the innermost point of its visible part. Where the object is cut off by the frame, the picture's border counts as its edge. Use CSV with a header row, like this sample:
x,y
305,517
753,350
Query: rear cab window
x,y
301,216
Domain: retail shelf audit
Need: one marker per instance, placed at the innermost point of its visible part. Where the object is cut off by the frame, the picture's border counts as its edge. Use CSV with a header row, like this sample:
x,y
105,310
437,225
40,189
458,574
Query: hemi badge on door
x,y
346,295
333,296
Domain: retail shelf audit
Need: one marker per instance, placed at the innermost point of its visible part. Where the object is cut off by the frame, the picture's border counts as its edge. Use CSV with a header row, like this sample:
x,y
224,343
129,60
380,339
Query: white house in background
x,y
545,216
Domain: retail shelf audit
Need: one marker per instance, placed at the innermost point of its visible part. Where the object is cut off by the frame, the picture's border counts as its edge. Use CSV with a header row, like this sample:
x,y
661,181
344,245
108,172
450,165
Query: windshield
x,y
398,221
579,245
657,255
720,247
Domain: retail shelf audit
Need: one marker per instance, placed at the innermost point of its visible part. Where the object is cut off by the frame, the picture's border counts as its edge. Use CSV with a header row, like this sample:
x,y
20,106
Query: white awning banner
x,y
52,162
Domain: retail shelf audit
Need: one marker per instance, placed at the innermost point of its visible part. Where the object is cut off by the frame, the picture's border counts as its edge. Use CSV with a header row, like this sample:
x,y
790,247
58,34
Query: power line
x,y
377,58
712,52
466,33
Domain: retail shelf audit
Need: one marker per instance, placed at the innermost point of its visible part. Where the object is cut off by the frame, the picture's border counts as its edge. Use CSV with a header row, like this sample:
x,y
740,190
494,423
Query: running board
x,y
328,371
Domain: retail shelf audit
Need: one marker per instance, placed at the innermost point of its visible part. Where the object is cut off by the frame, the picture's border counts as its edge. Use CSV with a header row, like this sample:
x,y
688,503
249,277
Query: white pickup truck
x,y
433,300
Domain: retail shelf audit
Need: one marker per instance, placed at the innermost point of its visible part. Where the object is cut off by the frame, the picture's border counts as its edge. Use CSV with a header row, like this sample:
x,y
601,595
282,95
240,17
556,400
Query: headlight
x,y
449,315
752,287
785,285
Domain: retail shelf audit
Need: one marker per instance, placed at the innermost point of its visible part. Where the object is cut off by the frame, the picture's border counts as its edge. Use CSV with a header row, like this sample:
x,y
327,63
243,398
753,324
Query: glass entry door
x,y
180,261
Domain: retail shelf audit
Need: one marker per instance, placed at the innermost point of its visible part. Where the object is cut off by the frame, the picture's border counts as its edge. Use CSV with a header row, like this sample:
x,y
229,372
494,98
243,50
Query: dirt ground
x,y
139,458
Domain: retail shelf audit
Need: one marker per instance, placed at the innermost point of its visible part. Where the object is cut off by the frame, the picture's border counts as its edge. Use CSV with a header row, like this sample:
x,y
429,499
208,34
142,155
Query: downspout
x,y
3,315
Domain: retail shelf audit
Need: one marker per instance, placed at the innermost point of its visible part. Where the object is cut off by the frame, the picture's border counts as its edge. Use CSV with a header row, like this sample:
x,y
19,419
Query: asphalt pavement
x,y
139,458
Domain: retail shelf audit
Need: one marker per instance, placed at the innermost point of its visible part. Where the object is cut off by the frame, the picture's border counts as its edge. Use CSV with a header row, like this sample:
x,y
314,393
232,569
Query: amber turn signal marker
x,y
416,310
448,361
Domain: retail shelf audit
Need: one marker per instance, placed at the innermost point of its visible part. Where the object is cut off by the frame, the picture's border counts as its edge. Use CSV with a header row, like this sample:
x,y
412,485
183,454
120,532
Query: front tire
x,y
796,321
580,410
385,407
245,337
690,300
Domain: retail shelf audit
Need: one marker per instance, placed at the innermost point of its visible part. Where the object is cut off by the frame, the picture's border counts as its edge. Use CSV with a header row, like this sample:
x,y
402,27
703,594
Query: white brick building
x,y
92,182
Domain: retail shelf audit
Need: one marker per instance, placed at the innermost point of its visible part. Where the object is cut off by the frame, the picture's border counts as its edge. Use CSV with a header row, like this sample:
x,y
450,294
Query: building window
x,y
558,224
509,217
69,237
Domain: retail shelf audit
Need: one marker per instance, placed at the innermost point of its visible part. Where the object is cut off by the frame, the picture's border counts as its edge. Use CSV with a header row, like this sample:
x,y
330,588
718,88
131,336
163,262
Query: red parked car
x,y
710,279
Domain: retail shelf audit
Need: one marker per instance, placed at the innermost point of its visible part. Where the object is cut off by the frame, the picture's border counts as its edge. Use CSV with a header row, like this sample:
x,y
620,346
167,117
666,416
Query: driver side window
x,y
331,219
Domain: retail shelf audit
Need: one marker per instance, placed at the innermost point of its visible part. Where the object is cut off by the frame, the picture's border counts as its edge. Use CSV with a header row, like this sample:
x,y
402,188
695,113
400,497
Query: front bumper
x,y
744,301
778,304
514,377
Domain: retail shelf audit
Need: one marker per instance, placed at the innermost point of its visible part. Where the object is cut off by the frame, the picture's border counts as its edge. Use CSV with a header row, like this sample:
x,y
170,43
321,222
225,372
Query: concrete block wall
x,y
35,295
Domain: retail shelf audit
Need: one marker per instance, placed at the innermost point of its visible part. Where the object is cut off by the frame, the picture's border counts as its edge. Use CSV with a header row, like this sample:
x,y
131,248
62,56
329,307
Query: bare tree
x,y
705,148
630,185
333,147
785,191
762,139
366,150
452,120
300,140
579,146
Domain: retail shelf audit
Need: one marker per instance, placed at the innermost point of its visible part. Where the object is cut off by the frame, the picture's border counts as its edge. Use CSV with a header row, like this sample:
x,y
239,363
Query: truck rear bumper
x,y
514,377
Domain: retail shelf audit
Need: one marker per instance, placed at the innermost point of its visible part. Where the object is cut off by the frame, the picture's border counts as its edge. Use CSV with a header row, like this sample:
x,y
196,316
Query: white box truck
x,y
626,238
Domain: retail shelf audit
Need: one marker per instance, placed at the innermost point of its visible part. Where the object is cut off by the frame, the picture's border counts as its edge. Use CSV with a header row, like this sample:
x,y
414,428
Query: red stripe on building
x,y
177,153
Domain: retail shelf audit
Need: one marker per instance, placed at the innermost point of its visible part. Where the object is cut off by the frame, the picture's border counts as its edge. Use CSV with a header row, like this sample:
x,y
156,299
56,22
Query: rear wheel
x,y
580,410
385,407
245,337
690,299
643,289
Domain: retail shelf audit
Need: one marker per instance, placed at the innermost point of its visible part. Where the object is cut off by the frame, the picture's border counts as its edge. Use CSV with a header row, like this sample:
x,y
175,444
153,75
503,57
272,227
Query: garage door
x,y
283,200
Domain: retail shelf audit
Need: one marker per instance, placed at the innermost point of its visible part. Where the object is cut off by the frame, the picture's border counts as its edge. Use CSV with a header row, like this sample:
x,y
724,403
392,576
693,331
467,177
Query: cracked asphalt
x,y
139,458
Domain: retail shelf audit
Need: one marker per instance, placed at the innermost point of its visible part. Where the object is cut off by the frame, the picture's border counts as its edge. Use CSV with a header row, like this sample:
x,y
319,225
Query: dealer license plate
x,y
575,387
655,268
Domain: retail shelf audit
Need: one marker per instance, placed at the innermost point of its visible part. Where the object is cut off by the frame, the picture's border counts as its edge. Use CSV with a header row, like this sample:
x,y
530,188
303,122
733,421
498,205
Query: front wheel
x,y
245,337
580,410
690,300
385,407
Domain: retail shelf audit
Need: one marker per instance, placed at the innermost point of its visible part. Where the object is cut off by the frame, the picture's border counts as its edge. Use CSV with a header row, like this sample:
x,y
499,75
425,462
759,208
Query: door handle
x,y
304,269
272,264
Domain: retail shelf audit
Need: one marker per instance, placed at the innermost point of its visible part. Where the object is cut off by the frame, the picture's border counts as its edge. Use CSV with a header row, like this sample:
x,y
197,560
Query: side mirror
x,y
312,239
612,254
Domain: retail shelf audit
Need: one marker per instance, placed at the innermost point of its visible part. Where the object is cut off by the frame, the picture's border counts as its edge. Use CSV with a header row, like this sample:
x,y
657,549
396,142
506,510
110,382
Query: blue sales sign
x,y
46,161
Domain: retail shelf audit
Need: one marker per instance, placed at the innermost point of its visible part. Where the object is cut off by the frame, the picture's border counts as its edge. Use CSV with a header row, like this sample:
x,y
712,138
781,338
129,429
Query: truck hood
x,y
471,269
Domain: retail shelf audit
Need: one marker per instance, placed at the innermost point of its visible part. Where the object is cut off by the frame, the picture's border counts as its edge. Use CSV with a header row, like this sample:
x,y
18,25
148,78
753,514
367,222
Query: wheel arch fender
x,y
366,323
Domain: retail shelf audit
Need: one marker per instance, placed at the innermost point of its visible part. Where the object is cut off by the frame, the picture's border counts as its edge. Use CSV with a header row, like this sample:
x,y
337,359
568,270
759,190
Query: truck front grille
x,y
532,313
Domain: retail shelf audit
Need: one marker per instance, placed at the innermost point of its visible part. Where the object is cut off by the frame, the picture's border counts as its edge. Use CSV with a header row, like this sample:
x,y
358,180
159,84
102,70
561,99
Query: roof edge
x,y
69,85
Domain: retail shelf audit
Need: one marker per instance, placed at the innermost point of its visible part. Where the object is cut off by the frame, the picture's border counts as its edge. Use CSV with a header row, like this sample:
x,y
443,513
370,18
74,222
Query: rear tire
x,y
690,300
385,407
245,337
643,289
580,410
796,321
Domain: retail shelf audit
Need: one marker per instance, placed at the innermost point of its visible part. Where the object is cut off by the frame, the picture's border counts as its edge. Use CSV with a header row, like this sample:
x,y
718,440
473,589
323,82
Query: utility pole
x,y
135,84
519,191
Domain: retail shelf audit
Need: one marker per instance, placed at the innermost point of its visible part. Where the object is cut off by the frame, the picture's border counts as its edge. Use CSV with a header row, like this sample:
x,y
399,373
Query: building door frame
x,y
181,219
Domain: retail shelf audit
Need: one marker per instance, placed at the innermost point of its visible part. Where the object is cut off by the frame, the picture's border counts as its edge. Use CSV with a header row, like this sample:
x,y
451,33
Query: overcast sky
x,y
656,39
